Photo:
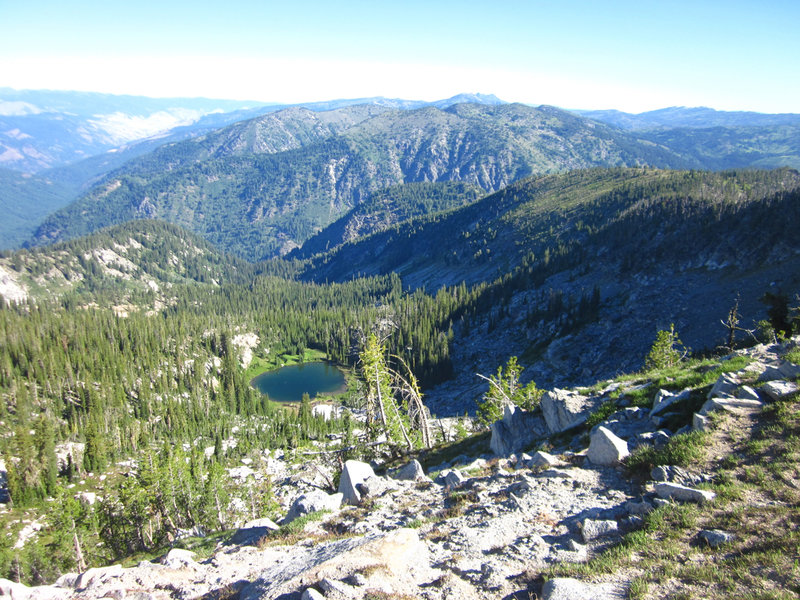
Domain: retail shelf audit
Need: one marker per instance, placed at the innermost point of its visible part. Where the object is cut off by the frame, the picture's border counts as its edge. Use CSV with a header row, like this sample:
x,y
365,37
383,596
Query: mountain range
x,y
260,188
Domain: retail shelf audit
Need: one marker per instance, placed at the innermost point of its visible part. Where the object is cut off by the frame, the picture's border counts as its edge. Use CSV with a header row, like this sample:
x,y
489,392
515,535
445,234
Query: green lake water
x,y
288,384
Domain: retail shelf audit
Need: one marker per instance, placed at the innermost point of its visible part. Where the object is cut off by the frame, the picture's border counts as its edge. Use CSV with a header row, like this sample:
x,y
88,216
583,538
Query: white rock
x,y
779,389
564,409
605,448
92,577
564,588
592,529
313,501
544,460
700,422
178,558
312,594
664,399
411,472
716,537
731,405
682,493
353,473
452,478
726,386
18,591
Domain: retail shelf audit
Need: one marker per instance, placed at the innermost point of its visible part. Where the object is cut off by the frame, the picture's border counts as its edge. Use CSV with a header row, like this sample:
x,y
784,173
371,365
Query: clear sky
x,y
630,55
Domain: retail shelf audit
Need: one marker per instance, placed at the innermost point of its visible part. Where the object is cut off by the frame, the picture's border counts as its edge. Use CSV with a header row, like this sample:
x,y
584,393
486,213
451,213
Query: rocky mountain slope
x,y
262,187
508,524
137,257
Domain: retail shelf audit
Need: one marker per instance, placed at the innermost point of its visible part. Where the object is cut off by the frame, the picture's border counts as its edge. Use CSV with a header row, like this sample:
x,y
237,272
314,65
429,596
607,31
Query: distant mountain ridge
x,y
260,188
695,117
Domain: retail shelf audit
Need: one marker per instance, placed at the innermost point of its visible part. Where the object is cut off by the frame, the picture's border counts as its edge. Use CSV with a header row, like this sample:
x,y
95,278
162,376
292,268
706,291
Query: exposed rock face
x,y
564,409
726,386
515,431
607,449
665,399
353,473
388,559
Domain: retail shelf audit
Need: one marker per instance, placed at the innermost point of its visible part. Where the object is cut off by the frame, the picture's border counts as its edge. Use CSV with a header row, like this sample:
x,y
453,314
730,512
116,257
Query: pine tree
x,y
667,350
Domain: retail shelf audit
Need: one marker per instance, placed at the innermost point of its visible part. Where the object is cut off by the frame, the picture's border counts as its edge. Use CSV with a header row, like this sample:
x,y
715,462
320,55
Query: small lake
x,y
288,384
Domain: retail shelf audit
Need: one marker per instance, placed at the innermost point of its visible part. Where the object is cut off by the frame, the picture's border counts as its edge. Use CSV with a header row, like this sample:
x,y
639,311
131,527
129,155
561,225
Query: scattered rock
x,y
411,472
452,478
253,532
675,474
353,473
178,558
388,561
18,591
605,448
657,439
337,589
700,422
592,529
372,487
564,588
638,509
312,502
543,460
555,473
731,405
682,493
716,537
779,389
93,577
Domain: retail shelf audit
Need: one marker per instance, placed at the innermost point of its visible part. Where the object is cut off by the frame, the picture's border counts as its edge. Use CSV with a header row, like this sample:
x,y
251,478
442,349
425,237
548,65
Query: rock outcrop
x,y
515,431
564,409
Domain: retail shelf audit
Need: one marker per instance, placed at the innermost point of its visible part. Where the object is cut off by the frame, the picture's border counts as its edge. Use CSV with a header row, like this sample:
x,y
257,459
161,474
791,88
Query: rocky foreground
x,y
476,527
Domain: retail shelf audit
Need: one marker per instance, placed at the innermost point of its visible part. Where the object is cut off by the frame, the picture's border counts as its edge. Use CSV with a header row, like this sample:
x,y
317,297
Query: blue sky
x,y
633,56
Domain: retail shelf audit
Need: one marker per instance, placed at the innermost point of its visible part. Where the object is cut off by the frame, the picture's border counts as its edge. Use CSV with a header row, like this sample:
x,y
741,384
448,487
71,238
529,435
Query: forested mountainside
x,y
764,147
261,188
582,266
715,139
389,207
25,201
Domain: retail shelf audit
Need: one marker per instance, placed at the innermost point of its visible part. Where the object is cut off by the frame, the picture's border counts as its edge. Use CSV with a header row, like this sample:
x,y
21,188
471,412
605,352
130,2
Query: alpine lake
x,y
289,383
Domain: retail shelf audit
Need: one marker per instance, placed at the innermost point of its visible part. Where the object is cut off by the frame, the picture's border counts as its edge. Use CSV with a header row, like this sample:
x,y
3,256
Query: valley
x,y
423,248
